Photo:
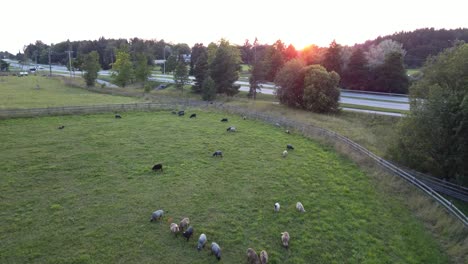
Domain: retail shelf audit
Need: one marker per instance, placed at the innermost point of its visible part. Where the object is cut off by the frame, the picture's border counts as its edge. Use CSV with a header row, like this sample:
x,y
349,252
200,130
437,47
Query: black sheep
x,y
193,115
118,116
188,233
181,113
61,127
218,153
174,112
289,146
224,120
157,167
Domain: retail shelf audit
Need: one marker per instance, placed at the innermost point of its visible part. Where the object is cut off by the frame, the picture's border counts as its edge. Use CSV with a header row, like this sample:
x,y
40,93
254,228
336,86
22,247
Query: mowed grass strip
x,y
22,92
85,194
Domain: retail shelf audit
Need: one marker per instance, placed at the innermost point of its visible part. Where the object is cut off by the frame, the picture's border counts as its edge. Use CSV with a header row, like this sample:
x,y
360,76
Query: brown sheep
x,y
252,257
184,223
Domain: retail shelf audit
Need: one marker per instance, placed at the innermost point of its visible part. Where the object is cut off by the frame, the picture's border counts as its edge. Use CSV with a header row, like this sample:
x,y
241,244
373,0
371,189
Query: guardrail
x,y
429,186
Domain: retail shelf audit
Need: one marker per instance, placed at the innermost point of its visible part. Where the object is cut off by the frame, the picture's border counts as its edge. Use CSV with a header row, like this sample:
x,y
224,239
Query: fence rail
x,y
427,184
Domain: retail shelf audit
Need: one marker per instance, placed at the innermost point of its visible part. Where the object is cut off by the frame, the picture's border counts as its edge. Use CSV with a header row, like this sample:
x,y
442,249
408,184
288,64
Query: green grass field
x,y
22,92
85,194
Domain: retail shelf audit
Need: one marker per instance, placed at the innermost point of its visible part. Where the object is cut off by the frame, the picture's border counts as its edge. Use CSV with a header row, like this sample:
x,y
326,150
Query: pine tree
x,y
91,67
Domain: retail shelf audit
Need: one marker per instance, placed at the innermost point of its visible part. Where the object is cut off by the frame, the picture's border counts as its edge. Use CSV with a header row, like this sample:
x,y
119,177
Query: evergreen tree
x,y
171,63
200,71
290,80
208,89
142,69
197,50
224,69
332,60
390,77
357,75
91,68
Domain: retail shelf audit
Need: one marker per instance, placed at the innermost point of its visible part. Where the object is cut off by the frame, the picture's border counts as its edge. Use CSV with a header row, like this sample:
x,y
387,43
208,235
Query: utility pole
x,y
50,65
164,52
69,61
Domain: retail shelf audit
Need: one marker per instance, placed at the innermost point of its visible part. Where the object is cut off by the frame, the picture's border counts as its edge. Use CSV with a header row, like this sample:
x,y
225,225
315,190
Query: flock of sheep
x,y
252,256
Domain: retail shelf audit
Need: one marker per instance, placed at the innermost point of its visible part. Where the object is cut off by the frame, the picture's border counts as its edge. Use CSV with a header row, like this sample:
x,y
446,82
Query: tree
x,y
434,136
224,69
321,92
332,60
200,71
91,67
273,60
142,69
4,66
378,53
208,89
390,77
181,76
171,63
357,75
290,53
290,80
122,70
197,49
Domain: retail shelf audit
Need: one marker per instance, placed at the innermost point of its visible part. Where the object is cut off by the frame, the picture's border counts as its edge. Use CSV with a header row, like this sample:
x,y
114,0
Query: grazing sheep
x,y
289,146
201,242
231,129
263,257
218,153
244,117
181,113
287,131
184,223
118,116
252,256
188,233
61,127
277,124
285,153
174,229
300,207
174,112
157,167
224,120
277,207
193,115
156,215
216,250
285,239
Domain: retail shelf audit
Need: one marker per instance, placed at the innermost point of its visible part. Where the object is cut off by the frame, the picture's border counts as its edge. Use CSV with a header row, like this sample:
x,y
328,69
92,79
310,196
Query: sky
x,y
297,22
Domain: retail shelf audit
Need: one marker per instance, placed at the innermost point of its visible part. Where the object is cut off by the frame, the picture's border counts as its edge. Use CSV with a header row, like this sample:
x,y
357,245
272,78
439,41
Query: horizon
x,y
300,24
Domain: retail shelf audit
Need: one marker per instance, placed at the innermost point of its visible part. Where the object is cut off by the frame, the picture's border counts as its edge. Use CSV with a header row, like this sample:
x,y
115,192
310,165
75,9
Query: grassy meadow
x,y
85,194
22,92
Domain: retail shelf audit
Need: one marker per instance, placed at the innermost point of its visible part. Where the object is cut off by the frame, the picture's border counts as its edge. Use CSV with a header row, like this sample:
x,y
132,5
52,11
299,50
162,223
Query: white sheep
x,y
285,153
174,228
300,207
277,207
263,257
285,239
